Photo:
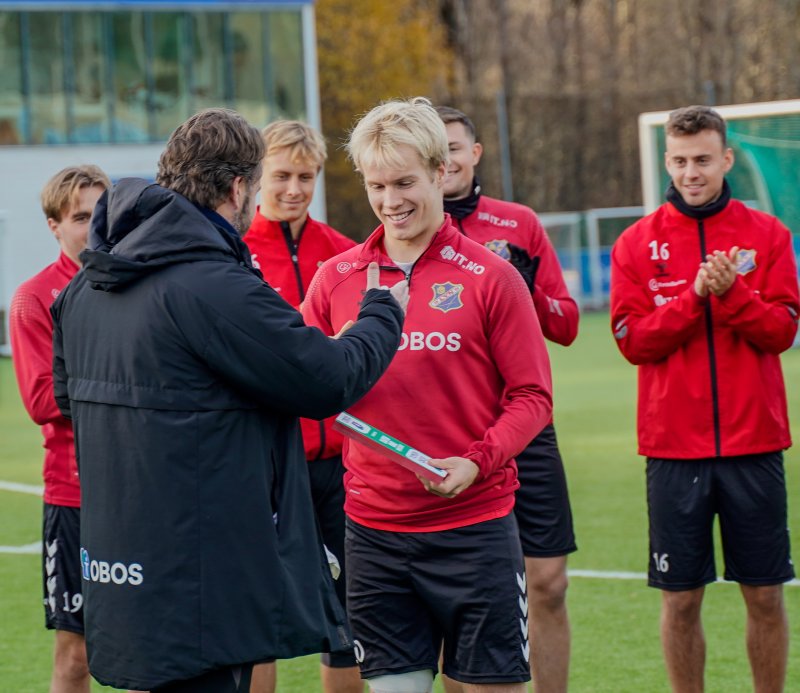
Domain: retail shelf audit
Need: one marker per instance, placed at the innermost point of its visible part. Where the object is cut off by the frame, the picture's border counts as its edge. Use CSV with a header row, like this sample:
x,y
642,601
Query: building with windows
x,y
106,82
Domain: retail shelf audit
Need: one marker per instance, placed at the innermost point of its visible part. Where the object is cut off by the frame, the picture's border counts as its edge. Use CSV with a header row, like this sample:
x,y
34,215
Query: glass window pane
x,y
129,77
286,56
247,45
170,58
89,105
11,104
46,70
208,63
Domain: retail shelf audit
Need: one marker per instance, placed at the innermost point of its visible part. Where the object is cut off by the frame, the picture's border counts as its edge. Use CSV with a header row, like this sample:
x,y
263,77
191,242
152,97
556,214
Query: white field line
x,y
36,547
21,488
617,575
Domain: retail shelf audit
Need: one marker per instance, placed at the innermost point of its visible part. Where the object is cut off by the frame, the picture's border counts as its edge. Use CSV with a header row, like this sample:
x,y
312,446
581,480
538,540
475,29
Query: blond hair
x,y
412,122
62,189
303,142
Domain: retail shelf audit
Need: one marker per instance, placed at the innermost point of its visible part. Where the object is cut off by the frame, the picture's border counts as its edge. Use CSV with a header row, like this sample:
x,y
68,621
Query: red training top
x,y
471,378
31,329
710,380
495,224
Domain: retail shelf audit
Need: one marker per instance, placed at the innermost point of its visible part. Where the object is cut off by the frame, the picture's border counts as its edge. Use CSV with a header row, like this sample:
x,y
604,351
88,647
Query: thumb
x,y
344,329
373,276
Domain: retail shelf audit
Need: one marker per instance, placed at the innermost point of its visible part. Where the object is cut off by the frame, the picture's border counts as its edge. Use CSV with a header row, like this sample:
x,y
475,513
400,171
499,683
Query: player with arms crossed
x,y
288,246
704,299
68,200
542,507
470,385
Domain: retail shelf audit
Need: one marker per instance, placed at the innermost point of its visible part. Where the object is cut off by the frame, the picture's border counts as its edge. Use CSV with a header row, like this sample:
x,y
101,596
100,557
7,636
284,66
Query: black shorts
x,y
327,493
228,680
407,592
748,494
542,504
61,568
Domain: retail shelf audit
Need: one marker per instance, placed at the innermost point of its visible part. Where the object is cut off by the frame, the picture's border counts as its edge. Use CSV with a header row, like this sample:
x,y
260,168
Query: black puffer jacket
x,y
184,374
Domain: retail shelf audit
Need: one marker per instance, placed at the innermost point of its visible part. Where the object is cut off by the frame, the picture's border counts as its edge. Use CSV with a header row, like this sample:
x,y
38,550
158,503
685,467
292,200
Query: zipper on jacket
x,y
395,268
293,246
711,351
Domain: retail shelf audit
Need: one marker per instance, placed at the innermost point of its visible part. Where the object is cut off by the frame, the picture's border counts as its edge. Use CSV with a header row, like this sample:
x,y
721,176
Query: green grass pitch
x,y
614,621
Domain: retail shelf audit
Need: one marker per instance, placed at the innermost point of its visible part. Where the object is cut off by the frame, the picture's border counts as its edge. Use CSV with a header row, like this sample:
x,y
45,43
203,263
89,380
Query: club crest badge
x,y
446,297
745,261
499,248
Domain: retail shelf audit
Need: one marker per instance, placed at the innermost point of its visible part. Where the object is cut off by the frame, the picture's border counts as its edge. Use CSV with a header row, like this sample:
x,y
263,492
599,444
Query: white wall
x,y
26,244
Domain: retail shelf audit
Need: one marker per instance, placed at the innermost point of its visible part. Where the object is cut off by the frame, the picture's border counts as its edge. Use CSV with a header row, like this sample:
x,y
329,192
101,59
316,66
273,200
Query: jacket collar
x,y
462,208
271,227
706,210
373,250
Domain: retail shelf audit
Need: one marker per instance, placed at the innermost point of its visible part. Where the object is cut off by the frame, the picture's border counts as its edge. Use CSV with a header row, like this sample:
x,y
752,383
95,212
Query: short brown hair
x,y
693,119
303,142
206,153
453,115
62,189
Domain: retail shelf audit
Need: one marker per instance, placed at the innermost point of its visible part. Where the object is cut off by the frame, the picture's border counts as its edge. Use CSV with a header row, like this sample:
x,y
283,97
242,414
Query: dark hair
x,y
207,152
693,119
453,115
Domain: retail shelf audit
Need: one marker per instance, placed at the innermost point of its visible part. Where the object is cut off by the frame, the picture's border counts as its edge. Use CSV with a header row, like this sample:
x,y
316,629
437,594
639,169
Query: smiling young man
x,y
704,298
470,386
68,200
514,232
288,246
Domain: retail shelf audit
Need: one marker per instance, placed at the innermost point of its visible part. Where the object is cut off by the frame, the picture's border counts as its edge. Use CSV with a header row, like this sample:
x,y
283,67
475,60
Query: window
x,y
133,76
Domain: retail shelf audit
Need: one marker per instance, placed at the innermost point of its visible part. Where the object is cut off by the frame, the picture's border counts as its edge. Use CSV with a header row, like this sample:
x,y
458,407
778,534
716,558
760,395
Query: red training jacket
x,y
288,267
471,378
710,380
495,224
31,331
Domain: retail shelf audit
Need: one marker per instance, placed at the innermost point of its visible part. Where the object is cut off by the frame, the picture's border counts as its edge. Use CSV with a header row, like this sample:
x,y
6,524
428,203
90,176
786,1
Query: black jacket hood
x,y
139,227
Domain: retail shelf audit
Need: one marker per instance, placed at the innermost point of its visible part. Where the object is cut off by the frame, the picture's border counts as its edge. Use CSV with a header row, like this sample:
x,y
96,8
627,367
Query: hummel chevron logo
x,y
51,601
49,565
526,651
51,548
523,626
522,582
523,606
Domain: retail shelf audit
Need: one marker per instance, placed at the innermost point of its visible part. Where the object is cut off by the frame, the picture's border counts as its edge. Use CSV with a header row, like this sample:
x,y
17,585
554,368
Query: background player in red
x,y
470,385
288,246
542,507
704,298
68,199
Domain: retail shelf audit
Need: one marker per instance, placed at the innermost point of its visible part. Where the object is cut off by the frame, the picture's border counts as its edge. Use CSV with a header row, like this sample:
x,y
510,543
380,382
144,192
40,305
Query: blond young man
x,y
436,562
68,200
288,246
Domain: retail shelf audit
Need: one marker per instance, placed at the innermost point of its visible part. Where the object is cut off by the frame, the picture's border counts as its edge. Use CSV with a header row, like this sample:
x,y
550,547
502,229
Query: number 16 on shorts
x,y
661,562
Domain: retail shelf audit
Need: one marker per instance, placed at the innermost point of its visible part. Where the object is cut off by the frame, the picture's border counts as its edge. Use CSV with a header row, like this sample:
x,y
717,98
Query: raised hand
x,y
399,290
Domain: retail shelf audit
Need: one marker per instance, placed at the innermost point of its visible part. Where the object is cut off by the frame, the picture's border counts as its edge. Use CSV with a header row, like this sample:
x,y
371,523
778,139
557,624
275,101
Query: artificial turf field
x,y
614,620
